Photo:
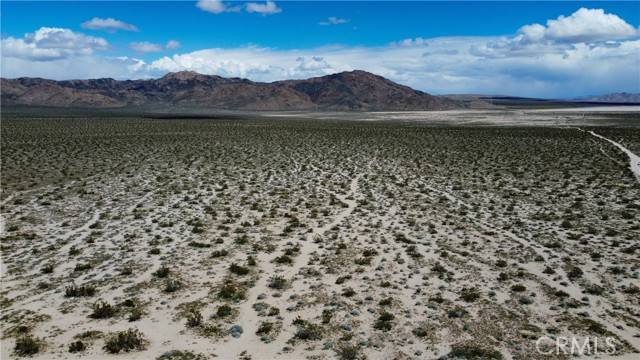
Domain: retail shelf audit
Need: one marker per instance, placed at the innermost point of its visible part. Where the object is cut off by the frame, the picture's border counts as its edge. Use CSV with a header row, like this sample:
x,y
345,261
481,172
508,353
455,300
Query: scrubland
x,y
255,238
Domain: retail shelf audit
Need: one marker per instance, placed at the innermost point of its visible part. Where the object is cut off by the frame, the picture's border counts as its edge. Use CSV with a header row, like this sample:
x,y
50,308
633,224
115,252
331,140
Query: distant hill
x,y
346,91
621,97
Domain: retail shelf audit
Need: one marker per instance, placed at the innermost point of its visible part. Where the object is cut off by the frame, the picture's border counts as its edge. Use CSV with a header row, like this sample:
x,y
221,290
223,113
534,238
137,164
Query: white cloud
x,y
411,42
108,24
145,47
584,25
51,43
81,67
216,6
440,65
332,20
172,45
268,8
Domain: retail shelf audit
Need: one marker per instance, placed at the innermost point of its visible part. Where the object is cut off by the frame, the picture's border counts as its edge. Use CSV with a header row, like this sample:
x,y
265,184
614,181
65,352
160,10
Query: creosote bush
x,y
27,345
125,341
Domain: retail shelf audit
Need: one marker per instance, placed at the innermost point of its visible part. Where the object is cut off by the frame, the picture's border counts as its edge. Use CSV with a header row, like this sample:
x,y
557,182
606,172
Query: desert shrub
x,y
307,330
469,294
518,288
525,300
27,346
438,268
283,259
102,310
82,267
135,315
251,261
369,252
420,332
385,302
264,328
194,318
78,291
348,292
327,314
277,282
224,311
219,253
238,270
125,341
172,285
574,273
473,352
457,312
346,351
181,355
162,272
47,269
384,321
231,291
273,311
77,346
200,245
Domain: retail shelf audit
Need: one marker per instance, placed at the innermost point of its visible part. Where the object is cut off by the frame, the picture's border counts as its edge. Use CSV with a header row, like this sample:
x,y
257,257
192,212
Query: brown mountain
x,y
346,91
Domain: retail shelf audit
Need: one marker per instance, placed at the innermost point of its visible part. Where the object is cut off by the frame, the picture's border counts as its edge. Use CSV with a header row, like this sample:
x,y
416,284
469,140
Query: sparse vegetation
x,y
368,231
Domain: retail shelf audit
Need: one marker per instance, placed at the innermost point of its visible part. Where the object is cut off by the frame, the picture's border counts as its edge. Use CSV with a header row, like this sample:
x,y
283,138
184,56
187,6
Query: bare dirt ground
x,y
307,237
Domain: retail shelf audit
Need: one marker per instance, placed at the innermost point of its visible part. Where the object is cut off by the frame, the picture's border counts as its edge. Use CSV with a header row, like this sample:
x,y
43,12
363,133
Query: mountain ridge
x,y
346,91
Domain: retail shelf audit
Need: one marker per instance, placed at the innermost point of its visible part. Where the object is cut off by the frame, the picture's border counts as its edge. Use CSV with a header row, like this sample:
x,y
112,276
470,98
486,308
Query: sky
x,y
542,49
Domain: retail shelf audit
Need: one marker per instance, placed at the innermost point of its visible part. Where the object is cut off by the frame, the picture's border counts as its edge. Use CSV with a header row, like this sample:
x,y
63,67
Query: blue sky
x,y
414,43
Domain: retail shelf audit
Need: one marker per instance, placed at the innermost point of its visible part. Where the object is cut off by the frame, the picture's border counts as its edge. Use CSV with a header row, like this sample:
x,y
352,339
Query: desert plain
x,y
423,235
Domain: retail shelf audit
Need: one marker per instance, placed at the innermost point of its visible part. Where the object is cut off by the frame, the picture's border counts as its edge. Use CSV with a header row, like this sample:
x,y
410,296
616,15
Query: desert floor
x,y
385,235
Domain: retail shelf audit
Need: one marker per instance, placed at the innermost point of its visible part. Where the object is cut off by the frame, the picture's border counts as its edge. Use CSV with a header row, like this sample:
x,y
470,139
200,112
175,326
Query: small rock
x,y
236,331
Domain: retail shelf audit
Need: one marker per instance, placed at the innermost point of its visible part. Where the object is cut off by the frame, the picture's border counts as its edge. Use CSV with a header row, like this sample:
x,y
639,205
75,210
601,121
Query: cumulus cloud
x,y
332,20
109,24
172,45
440,65
216,6
145,47
268,8
584,25
49,43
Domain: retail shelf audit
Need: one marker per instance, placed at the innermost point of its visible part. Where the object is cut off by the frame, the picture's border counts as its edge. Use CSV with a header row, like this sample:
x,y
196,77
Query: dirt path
x,y
634,160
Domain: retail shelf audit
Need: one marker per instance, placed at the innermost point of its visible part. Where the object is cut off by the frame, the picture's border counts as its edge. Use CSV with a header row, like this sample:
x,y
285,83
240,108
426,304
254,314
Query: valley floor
x,y
290,237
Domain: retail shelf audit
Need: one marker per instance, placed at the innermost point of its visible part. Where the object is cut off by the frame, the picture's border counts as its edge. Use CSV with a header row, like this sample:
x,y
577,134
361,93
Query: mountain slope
x,y
621,97
347,91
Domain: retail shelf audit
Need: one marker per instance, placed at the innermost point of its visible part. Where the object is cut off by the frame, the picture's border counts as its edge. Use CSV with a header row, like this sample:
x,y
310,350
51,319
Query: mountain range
x,y
621,97
346,91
